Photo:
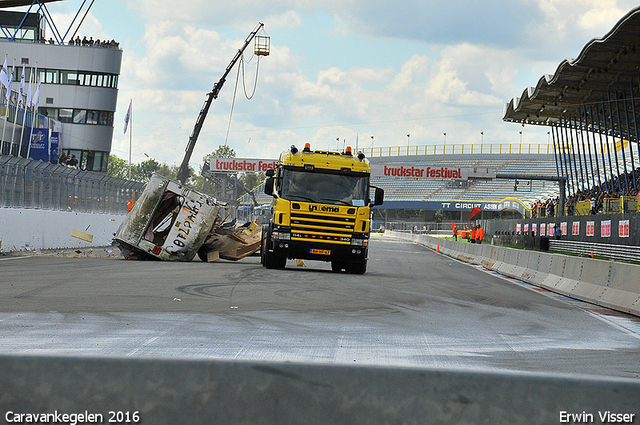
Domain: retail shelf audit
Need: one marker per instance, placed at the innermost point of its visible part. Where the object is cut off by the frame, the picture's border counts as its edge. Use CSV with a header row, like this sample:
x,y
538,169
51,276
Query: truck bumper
x,y
320,251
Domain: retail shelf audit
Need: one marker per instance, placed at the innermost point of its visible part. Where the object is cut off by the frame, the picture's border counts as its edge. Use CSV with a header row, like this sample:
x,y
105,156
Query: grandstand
x,y
415,189
461,195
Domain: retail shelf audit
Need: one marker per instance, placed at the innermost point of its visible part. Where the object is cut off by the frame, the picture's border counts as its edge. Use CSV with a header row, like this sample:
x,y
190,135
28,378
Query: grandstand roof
x,y
604,67
16,3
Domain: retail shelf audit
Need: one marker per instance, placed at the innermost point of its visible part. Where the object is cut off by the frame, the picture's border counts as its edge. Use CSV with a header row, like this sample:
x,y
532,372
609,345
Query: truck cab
x,y
321,209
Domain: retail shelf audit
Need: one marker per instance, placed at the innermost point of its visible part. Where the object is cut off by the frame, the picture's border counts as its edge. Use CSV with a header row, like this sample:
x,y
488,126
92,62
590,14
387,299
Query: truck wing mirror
x,y
270,172
378,198
268,184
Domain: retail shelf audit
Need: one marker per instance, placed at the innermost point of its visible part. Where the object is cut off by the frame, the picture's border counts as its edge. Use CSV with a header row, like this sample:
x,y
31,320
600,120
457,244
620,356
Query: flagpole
x,y
24,107
6,109
6,117
127,119
34,113
130,136
13,130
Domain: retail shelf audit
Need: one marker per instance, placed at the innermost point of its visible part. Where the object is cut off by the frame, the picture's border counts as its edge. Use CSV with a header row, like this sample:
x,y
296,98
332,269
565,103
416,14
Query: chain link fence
x,y
25,183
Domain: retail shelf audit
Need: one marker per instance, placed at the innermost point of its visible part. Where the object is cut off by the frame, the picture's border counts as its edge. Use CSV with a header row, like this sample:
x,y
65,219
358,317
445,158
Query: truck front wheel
x,y
358,268
269,259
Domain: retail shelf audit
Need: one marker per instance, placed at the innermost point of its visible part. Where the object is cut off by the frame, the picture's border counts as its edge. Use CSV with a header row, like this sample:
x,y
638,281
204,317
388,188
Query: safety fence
x,y
460,149
610,284
25,183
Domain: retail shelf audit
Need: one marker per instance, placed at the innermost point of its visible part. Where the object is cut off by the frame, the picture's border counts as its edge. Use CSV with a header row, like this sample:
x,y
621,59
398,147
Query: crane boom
x,y
183,172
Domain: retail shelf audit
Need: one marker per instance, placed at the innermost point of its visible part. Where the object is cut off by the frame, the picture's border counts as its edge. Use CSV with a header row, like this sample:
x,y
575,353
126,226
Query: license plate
x,y
320,251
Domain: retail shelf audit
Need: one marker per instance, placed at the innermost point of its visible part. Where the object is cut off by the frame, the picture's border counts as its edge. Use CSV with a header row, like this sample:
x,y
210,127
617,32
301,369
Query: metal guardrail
x,y
460,149
609,251
25,183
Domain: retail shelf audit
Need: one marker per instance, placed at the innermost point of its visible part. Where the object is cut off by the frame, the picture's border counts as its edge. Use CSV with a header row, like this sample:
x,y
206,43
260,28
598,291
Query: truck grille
x,y
321,228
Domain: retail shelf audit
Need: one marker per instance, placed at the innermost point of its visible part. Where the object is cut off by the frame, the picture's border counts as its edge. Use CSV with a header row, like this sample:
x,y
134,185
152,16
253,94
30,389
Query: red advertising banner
x,y
526,228
591,228
233,165
543,228
605,228
575,228
623,228
518,228
563,227
534,229
426,172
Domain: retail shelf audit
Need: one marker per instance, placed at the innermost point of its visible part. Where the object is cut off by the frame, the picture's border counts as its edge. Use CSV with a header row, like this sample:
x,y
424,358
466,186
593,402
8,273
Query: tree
x,y
117,167
223,151
204,184
143,171
251,180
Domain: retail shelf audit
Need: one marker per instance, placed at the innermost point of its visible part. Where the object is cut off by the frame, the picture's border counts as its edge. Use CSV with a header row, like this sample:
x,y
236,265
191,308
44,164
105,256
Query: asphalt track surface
x,y
413,307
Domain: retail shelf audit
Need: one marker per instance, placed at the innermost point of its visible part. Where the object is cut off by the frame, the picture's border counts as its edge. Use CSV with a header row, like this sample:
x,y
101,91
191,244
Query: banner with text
x,y
39,149
244,165
431,172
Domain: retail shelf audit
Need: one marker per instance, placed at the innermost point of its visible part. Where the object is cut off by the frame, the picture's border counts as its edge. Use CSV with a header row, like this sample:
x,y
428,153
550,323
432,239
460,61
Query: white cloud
x,y
468,59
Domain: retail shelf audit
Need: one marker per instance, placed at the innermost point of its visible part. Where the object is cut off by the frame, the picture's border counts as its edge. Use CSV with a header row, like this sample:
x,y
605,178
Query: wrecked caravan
x,y
168,222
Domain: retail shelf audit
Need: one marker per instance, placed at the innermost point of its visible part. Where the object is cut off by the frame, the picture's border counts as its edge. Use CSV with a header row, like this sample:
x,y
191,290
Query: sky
x,y
340,72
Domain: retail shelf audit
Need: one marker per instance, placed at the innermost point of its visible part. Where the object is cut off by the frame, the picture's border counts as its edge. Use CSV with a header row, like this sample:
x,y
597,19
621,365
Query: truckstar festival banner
x,y
234,165
427,172
250,165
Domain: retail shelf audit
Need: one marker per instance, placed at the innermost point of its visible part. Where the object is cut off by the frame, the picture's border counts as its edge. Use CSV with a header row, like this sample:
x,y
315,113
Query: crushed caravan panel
x,y
168,222
231,243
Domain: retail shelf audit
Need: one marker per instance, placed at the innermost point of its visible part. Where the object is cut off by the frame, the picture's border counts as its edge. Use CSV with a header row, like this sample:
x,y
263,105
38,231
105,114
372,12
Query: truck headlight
x,y
359,242
281,236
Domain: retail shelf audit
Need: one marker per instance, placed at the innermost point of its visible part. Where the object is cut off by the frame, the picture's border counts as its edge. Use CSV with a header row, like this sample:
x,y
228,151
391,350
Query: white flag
x,y
28,104
4,75
36,95
127,117
8,95
21,91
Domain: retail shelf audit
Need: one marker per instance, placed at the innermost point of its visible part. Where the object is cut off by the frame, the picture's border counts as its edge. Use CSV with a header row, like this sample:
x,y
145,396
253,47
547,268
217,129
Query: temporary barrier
x,y
177,391
609,284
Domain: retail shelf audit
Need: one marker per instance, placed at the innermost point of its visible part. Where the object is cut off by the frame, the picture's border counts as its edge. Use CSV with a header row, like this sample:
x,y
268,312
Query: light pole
x,y
482,137
521,137
408,139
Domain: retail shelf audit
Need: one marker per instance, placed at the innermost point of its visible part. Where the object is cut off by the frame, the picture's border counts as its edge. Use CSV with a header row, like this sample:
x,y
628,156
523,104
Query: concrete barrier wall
x,y
609,284
169,391
22,229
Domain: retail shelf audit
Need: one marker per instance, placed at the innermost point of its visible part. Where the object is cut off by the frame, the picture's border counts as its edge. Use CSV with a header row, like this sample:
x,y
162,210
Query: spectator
x,y
73,162
479,234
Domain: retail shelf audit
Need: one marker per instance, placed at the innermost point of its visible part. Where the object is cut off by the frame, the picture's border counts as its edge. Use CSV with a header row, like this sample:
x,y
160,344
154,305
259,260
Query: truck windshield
x,y
325,188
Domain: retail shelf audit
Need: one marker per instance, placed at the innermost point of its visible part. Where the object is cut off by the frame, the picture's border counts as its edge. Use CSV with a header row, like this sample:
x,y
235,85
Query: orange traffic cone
x,y
438,248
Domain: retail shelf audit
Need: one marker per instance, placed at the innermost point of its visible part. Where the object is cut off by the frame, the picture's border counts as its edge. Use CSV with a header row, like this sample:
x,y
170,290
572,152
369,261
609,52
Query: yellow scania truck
x,y
321,209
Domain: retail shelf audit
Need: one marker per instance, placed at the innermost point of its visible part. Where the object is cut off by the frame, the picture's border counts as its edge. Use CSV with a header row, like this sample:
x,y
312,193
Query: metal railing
x,y
25,183
461,149
609,251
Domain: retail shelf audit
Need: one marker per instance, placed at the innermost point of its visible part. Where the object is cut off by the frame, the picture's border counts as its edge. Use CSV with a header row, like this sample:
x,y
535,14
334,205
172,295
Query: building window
x,y
65,115
69,77
79,116
51,76
90,160
92,117
50,113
